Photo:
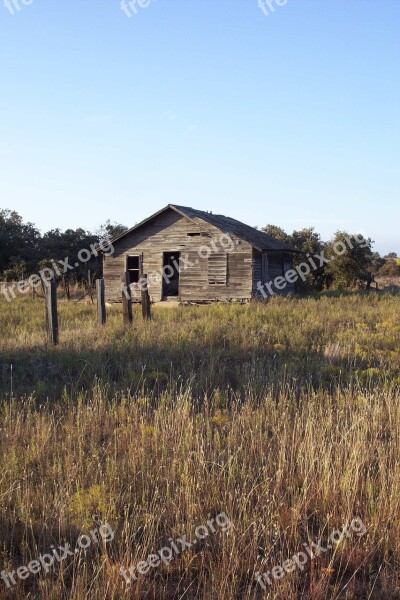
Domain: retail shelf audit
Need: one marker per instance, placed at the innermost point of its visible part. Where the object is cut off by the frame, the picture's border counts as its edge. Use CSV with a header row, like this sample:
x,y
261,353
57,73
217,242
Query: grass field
x,y
285,417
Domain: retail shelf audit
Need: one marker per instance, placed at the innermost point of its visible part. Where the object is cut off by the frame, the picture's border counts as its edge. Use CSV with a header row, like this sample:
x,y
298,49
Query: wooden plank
x,y
101,302
126,300
146,308
90,285
50,289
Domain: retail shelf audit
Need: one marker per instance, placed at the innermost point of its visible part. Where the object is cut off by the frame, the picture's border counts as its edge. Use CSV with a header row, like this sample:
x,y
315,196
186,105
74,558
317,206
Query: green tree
x,y
110,230
350,260
57,245
278,233
19,243
390,268
377,263
309,242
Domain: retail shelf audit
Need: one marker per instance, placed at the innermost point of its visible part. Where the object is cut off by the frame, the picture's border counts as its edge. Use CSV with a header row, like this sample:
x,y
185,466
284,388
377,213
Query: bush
x,y
390,269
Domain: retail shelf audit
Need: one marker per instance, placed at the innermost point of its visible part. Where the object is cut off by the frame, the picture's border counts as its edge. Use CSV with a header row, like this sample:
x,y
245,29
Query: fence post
x,y
126,299
146,310
90,285
101,302
66,287
50,289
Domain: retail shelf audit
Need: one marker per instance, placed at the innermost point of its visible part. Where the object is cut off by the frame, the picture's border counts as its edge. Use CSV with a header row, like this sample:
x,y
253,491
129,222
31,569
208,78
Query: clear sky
x,y
290,117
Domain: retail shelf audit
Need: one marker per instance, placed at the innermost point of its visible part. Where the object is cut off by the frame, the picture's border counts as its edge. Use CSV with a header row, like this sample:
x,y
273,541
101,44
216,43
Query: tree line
x,y
25,251
356,267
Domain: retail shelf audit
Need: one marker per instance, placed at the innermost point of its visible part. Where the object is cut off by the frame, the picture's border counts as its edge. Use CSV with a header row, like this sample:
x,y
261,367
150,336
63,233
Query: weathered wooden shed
x,y
192,255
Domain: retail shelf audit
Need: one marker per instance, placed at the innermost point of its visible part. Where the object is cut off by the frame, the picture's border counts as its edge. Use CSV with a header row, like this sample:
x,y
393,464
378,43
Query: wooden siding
x,y
257,271
218,268
168,232
267,266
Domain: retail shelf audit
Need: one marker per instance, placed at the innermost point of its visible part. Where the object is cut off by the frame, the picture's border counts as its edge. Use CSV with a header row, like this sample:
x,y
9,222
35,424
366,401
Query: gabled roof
x,y
257,239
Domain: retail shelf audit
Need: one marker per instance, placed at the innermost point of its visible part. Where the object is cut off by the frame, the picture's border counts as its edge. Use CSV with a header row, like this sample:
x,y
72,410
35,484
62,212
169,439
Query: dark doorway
x,y
171,274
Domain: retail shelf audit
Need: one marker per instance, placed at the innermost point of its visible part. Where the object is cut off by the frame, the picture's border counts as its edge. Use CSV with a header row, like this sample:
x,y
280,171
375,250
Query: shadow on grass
x,y
153,369
344,293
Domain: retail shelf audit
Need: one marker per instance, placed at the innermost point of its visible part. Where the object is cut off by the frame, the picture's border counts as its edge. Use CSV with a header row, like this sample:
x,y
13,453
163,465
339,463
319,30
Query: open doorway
x,y
171,274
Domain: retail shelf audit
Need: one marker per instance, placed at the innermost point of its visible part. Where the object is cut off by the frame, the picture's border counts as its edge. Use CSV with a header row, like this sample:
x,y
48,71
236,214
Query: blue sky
x,y
290,118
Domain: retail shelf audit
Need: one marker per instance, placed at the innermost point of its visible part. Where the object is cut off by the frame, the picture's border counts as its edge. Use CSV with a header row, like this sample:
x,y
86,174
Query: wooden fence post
x,y
126,299
50,289
146,310
101,302
90,285
66,287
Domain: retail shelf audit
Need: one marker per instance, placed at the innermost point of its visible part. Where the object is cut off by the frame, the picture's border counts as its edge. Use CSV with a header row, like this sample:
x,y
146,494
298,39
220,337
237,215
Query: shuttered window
x,y
218,269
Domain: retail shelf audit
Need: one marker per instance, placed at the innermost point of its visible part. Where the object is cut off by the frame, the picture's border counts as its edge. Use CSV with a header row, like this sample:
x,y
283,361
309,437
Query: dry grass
x,y
389,283
285,416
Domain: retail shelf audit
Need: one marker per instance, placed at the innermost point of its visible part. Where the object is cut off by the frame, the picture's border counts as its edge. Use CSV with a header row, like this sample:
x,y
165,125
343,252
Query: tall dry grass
x,y
285,416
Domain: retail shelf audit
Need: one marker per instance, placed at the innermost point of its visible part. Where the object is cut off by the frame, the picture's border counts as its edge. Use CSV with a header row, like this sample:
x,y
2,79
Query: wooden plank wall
x,y
169,233
257,271
275,264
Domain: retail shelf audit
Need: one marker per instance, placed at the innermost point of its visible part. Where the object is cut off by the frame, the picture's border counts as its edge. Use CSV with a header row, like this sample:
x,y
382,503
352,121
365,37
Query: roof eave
x,y
263,249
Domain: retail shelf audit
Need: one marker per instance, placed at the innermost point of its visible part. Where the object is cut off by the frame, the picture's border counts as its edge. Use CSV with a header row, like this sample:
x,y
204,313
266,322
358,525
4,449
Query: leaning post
x,y
146,308
126,299
90,285
101,302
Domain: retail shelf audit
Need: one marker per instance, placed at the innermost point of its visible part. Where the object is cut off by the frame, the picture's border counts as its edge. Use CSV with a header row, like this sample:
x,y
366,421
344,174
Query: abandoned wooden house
x,y
191,255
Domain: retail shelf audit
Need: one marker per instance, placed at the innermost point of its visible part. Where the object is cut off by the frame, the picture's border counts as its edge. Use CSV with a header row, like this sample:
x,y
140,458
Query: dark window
x,y
218,269
199,234
133,268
